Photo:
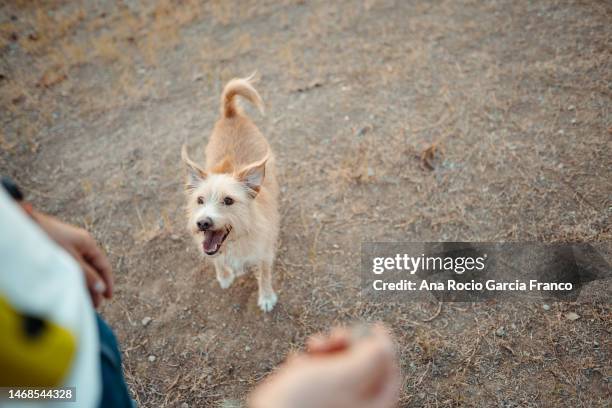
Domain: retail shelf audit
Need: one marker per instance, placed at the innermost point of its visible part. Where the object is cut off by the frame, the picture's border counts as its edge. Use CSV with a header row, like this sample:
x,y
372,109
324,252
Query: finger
x,y
95,284
98,260
337,341
368,361
388,397
96,298
327,346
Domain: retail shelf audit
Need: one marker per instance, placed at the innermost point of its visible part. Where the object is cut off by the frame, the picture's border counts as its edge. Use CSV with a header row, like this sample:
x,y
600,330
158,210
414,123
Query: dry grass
x,y
419,121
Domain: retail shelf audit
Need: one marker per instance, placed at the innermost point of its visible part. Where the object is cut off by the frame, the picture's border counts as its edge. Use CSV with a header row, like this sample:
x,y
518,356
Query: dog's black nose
x,y
205,224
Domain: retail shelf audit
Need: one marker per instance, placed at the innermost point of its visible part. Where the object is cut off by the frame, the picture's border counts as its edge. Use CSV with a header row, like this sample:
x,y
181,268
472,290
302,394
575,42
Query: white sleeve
x,y
38,277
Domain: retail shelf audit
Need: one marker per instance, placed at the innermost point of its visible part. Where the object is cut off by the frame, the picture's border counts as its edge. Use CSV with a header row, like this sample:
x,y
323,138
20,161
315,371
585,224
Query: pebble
x,y
146,321
501,332
574,121
184,405
572,316
247,348
152,358
546,307
571,107
363,131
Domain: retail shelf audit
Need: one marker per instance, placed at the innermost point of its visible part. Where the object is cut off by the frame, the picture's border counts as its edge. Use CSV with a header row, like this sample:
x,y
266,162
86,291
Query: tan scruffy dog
x,y
232,202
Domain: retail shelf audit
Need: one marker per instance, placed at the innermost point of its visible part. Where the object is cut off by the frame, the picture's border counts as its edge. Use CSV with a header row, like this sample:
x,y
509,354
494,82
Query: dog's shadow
x,y
240,296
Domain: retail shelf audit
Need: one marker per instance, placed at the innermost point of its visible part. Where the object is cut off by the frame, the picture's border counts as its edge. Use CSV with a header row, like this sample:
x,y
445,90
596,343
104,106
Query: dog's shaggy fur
x,y
232,203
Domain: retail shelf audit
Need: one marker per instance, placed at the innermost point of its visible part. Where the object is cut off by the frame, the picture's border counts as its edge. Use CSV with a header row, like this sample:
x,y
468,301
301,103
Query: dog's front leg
x,y
225,275
267,298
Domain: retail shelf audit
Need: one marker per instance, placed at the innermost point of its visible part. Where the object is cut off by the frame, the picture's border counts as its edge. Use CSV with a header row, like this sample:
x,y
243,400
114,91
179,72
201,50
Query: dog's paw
x,y
267,302
225,281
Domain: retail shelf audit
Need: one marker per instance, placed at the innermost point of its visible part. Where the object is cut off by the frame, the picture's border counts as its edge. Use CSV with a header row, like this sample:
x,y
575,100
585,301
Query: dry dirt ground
x,y
391,121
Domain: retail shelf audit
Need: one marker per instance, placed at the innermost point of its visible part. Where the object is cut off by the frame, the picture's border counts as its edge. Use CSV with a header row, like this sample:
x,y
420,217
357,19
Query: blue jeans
x,y
115,393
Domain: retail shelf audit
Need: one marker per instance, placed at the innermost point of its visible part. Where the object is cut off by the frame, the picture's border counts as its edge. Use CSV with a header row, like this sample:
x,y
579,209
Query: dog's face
x,y
220,202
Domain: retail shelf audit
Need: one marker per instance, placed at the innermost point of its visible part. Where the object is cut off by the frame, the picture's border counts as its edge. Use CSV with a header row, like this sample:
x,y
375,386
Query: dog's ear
x,y
252,176
195,174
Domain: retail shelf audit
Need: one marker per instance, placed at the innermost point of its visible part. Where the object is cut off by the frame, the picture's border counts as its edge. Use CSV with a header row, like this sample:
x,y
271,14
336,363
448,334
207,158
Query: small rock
x,y
184,405
574,121
546,307
247,348
175,237
571,108
595,344
146,321
152,358
501,332
361,132
572,316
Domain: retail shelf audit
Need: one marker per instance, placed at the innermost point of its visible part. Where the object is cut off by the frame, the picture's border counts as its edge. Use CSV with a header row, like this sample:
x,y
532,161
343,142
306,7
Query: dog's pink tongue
x,y
212,239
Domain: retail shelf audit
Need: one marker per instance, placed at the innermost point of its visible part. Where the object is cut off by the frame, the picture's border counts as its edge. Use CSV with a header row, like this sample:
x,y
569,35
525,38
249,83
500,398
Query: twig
x,y
429,319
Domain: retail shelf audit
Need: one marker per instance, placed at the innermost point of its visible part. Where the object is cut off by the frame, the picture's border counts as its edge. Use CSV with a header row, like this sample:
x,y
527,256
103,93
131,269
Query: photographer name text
x,y
471,286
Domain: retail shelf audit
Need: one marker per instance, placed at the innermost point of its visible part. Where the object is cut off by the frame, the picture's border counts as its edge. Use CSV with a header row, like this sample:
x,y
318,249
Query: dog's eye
x,y
228,201
200,200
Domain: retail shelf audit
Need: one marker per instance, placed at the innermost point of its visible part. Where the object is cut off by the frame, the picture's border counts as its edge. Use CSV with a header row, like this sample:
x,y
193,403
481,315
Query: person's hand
x,y
83,248
337,371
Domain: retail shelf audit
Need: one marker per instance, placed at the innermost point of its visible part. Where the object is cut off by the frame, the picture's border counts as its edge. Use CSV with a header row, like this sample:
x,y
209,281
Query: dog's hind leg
x,y
266,298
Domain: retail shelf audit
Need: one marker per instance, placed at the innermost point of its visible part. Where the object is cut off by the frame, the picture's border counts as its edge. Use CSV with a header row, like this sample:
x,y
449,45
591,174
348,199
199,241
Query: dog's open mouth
x,y
214,239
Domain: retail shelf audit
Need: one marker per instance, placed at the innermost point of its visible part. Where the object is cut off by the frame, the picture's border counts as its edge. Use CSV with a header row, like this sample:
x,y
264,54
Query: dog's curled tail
x,y
241,87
